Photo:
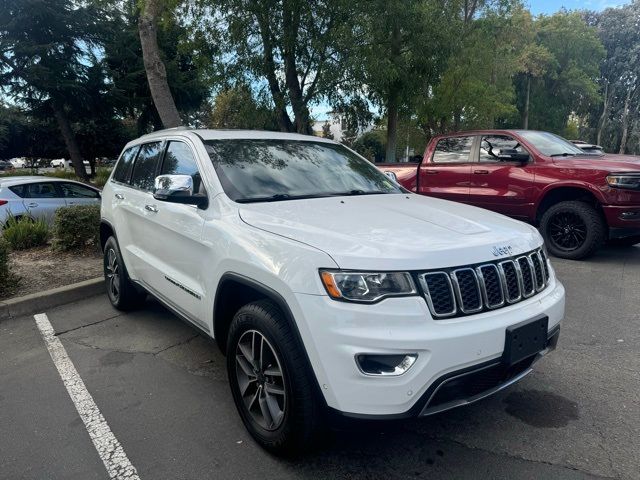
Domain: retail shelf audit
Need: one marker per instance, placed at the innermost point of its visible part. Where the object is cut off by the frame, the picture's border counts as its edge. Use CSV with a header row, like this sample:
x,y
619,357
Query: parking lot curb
x,y
41,301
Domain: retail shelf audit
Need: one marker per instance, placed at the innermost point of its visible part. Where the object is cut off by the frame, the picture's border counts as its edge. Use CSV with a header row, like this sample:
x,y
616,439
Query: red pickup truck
x,y
577,201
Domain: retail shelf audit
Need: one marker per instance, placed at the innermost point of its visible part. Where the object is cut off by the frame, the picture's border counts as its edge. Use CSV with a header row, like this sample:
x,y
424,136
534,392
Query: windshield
x,y
550,145
274,170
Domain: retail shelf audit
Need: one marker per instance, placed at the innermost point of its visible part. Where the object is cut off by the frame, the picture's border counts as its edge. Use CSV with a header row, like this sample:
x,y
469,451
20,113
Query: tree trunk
x,y
154,67
284,122
625,123
70,141
393,99
605,111
525,119
392,128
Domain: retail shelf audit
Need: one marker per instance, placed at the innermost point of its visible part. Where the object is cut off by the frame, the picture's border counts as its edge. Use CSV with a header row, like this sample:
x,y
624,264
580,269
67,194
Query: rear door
x,y
498,182
135,211
78,194
447,173
42,199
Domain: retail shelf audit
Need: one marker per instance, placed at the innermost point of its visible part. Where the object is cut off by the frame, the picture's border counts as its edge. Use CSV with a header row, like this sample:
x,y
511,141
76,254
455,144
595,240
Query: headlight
x,y
366,286
624,180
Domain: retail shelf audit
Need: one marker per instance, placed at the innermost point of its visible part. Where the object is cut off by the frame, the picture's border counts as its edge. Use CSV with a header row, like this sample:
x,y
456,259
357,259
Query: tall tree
x,y
43,49
295,49
401,52
154,65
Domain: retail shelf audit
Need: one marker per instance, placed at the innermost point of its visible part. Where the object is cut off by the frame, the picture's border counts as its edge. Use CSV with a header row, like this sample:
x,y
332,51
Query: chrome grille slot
x,y
526,270
511,281
439,294
465,284
538,271
455,292
491,285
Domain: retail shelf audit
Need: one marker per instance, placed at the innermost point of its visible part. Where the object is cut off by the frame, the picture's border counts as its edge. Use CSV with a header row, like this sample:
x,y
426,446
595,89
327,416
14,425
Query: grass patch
x,y
23,233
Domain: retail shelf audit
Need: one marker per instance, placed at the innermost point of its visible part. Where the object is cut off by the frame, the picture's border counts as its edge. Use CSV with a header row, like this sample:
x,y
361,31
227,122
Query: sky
x,y
551,6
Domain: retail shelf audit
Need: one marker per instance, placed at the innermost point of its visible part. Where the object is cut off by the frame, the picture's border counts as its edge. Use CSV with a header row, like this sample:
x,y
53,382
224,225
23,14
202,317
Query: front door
x,y
174,240
498,182
447,173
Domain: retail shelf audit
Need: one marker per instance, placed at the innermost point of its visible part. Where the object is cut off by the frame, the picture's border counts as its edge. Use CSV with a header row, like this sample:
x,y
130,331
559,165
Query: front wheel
x,y
271,384
572,230
122,293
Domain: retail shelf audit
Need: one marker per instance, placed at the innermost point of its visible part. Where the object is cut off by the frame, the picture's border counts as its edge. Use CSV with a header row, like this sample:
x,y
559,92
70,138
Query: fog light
x,y
385,365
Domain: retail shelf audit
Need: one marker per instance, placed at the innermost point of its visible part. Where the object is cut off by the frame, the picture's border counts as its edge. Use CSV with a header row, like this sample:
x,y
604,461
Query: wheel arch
x,y
106,231
567,192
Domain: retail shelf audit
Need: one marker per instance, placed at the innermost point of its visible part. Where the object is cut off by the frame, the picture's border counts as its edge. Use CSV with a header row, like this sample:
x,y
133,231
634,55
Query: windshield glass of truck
x,y
274,170
550,145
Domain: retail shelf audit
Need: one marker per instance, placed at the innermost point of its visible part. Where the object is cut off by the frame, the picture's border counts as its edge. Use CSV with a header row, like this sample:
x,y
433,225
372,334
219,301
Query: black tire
x,y
297,428
573,230
122,293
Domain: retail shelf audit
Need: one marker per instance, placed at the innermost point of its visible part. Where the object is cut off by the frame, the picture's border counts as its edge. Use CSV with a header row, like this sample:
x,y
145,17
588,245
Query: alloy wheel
x,y
260,380
113,274
567,231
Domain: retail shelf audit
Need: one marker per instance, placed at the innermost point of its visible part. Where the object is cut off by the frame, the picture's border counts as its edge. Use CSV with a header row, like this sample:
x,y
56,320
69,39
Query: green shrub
x,y
5,248
76,227
102,175
62,173
24,232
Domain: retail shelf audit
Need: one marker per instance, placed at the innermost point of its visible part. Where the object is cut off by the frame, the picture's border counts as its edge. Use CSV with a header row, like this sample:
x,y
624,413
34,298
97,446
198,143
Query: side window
x,y
74,190
40,190
144,168
179,160
498,148
453,150
125,164
18,190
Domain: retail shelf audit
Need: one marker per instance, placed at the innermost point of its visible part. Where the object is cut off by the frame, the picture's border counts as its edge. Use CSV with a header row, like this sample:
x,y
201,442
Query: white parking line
x,y
115,460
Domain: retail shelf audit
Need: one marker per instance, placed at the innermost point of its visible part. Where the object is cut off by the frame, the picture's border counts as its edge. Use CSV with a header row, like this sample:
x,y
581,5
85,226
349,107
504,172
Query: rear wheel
x,y
122,293
572,229
271,384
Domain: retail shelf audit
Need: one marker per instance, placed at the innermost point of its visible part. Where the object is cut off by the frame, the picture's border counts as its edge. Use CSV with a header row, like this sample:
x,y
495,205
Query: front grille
x,y
471,289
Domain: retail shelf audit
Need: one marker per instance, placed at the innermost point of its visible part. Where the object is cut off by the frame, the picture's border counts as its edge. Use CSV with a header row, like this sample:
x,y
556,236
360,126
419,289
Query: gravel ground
x,y
43,268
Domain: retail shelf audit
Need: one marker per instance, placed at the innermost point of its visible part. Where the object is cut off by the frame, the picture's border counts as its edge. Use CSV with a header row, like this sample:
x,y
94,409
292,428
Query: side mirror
x,y
178,189
513,155
392,176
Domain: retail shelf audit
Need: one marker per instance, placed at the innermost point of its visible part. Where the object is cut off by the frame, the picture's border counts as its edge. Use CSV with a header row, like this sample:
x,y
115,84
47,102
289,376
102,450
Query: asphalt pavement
x,y
162,389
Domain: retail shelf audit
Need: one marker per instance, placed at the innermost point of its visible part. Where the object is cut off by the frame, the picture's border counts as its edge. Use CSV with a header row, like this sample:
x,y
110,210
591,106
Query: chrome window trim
x,y
456,287
427,294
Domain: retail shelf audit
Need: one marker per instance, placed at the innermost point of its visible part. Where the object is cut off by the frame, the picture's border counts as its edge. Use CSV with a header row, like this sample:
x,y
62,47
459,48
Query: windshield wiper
x,y
360,192
563,154
281,196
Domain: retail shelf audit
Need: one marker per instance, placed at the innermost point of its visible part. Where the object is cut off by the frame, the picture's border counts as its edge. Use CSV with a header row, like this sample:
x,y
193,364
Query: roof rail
x,y
164,130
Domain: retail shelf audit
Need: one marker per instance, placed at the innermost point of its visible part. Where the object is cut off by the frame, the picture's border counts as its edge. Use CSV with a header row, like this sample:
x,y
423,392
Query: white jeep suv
x,y
330,288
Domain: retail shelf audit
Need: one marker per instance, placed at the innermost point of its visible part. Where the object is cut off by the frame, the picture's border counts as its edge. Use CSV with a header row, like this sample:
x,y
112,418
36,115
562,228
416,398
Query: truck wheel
x,y
122,293
572,229
271,384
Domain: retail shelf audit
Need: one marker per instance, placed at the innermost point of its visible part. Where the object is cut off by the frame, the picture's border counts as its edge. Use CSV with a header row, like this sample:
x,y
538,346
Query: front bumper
x,y
623,221
335,332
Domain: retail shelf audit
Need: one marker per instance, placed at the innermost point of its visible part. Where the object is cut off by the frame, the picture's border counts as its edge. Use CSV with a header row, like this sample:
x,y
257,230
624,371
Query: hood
x,y
394,232
609,162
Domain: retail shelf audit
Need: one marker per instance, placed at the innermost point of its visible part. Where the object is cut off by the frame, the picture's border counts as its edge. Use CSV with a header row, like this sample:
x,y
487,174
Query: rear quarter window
x,y
18,190
124,167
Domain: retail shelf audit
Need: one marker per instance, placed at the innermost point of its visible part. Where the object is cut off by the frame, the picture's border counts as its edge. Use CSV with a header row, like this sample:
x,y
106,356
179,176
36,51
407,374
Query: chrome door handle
x,y
481,172
119,196
32,205
151,208
431,172
71,203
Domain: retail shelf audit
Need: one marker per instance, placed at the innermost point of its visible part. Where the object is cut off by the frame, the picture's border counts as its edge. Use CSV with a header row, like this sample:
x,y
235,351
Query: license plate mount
x,y
525,339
